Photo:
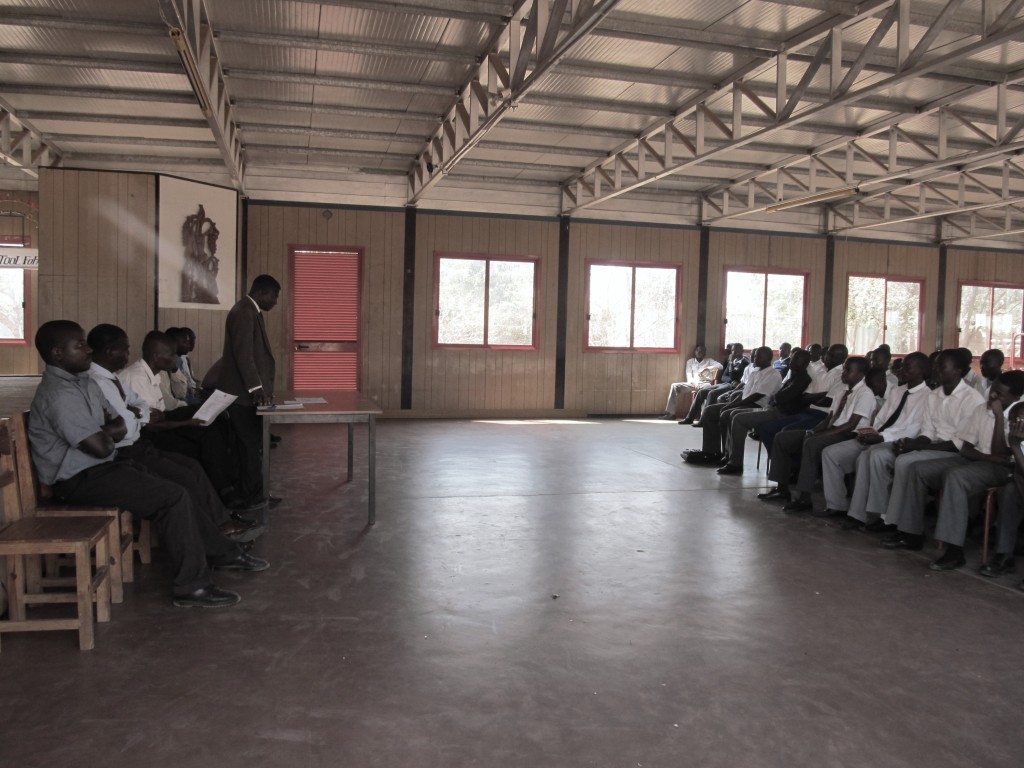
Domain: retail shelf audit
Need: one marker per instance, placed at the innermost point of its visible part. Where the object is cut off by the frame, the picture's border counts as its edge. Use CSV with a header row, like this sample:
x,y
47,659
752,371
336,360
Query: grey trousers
x,y
959,485
914,475
790,444
736,437
674,391
837,461
873,481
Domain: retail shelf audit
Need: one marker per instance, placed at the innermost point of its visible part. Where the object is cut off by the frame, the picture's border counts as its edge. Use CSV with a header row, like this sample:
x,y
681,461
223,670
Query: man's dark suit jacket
x,y
248,361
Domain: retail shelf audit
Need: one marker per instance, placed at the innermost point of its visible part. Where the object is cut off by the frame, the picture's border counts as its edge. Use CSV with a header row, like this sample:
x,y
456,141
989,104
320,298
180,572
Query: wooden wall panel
x,y
273,229
918,262
21,359
626,382
97,249
966,265
461,381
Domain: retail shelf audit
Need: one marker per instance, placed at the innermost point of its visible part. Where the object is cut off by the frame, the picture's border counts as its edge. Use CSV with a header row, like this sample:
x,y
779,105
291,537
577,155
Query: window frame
x,y
27,309
991,285
676,347
802,341
488,258
885,305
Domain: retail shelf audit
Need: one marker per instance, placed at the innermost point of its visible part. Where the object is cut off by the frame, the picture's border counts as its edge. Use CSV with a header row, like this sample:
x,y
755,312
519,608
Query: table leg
x,y
351,431
265,512
372,466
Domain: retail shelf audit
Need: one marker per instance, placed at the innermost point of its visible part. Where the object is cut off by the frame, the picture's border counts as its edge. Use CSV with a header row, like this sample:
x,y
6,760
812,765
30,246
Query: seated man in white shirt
x,y
949,408
991,365
700,372
762,381
110,354
984,462
870,455
852,408
818,399
175,429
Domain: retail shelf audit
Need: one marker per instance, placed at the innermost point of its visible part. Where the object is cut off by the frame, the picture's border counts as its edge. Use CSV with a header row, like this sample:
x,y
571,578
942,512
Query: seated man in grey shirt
x,y
72,439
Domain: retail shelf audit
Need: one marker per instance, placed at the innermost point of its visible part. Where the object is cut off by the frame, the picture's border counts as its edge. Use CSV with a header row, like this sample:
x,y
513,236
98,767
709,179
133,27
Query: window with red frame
x,y
991,317
484,301
632,307
764,308
14,289
882,311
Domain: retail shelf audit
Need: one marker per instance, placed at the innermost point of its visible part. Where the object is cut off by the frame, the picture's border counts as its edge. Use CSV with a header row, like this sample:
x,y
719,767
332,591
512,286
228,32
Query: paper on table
x,y
214,406
285,406
308,400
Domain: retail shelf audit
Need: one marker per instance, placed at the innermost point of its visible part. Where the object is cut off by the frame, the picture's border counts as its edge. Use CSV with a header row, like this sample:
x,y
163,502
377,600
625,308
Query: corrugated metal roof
x,y
337,85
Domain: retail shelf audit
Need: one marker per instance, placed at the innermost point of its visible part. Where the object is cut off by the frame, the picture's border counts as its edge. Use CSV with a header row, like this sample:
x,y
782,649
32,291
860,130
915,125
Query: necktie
x,y
895,414
839,408
120,389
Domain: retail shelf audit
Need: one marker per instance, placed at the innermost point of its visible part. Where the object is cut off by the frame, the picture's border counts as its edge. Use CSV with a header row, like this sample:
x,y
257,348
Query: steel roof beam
x,y
486,11
536,41
188,24
712,115
890,171
22,146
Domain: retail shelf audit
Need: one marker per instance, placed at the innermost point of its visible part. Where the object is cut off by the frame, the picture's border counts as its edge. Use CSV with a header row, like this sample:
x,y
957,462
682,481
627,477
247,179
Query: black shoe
x,y
998,565
797,505
851,524
951,559
687,420
243,561
775,494
275,438
246,521
209,596
696,424
827,512
878,525
912,541
730,469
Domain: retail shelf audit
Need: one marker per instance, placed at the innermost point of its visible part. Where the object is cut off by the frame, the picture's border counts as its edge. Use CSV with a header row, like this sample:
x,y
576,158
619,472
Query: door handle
x,y
301,346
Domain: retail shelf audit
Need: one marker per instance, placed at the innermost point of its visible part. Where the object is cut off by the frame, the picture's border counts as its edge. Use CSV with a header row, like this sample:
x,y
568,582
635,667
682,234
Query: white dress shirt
x,y
945,415
107,383
860,402
761,381
829,382
140,377
694,368
816,369
908,424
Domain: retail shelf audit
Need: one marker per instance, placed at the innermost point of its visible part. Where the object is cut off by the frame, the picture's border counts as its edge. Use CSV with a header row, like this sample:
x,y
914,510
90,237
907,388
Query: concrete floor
x,y
535,594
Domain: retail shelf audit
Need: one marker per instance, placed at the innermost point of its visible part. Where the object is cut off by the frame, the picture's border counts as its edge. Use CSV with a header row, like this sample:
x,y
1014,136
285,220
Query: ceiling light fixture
x,y
191,70
820,197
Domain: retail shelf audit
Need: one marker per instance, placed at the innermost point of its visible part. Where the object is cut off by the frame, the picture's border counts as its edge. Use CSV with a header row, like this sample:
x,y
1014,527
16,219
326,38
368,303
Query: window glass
x,y
880,311
510,303
764,308
611,296
744,308
654,325
632,307
989,318
486,302
12,304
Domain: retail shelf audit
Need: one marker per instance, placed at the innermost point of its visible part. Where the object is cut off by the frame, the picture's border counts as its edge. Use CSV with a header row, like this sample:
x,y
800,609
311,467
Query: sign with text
x,y
19,258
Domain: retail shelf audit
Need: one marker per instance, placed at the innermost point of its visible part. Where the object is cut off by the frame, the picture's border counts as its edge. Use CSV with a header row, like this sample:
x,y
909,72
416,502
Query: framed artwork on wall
x,y
198,245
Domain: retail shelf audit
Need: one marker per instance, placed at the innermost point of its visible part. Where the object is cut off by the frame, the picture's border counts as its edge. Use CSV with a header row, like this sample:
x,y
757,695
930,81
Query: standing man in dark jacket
x,y
248,370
